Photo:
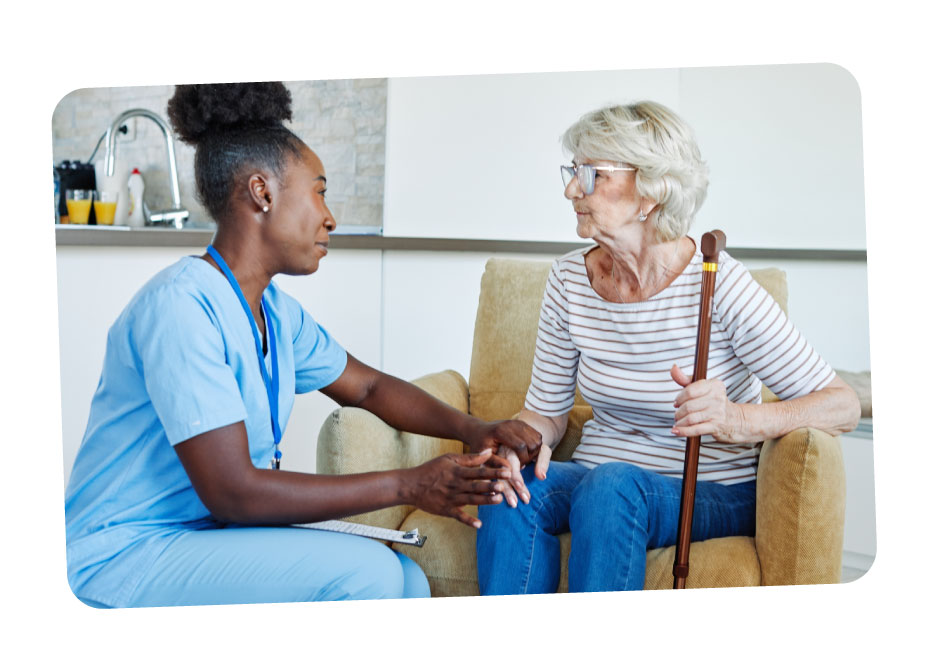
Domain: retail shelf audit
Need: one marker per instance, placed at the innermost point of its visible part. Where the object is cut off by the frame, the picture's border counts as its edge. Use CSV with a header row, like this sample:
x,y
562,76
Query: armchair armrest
x,y
353,440
800,505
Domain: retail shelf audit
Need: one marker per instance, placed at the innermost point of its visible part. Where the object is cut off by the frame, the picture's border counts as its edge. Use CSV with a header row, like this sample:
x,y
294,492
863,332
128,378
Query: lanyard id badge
x,y
272,385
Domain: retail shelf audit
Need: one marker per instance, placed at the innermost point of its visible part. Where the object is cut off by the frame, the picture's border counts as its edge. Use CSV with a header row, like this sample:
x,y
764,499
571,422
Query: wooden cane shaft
x,y
686,509
703,338
693,444
712,245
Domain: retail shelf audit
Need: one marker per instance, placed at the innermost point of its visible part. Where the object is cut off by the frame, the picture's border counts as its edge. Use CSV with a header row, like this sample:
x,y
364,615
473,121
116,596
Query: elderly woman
x,y
619,320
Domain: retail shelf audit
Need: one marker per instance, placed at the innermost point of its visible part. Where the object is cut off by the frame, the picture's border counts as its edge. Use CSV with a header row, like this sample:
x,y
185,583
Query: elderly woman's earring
x,y
642,216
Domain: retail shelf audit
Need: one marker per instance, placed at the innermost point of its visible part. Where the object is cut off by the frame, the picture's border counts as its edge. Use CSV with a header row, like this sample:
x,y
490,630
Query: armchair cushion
x,y
448,558
504,337
800,506
353,440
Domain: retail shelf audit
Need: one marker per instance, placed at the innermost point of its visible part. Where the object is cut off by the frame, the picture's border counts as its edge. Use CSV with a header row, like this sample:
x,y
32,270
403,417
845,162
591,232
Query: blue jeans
x,y
615,512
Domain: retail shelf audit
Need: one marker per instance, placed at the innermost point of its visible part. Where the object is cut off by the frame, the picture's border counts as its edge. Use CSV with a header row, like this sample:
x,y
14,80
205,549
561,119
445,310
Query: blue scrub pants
x,y
615,512
247,564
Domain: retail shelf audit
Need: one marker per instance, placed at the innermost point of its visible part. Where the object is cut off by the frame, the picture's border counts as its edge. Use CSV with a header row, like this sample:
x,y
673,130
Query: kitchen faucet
x,y
177,214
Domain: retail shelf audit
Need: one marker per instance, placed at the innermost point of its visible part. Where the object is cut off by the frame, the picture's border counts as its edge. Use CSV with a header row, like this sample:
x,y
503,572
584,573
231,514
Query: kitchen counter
x,y
358,237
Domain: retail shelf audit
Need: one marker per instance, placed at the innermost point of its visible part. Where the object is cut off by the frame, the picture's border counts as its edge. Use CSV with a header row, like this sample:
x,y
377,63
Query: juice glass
x,y
78,202
104,206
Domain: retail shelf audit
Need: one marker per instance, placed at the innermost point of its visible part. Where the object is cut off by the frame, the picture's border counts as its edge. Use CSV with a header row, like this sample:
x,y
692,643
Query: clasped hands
x,y
515,444
702,408
496,450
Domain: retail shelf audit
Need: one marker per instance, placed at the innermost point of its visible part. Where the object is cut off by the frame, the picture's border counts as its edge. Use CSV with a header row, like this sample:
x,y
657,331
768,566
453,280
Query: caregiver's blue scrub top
x,y
180,361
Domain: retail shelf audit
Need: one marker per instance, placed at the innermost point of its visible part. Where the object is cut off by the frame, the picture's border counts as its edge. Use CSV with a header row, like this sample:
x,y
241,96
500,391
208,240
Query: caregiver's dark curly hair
x,y
234,128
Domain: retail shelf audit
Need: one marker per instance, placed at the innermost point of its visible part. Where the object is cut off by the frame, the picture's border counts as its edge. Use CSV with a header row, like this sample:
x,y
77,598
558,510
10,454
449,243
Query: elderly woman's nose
x,y
573,190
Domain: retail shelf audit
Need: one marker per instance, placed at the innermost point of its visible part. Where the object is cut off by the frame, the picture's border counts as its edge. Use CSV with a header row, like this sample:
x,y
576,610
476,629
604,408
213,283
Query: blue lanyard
x,y
271,385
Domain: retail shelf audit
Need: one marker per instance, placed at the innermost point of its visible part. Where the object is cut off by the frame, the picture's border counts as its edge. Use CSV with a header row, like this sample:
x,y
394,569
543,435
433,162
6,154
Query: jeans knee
x,y
608,482
502,516
489,514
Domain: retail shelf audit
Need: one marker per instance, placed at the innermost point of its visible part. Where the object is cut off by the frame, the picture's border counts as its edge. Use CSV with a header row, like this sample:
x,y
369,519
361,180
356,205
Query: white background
x,y
477,156
862,623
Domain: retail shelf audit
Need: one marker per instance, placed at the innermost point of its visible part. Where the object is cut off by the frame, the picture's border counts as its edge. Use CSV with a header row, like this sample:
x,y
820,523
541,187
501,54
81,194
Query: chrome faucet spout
x,y
176,214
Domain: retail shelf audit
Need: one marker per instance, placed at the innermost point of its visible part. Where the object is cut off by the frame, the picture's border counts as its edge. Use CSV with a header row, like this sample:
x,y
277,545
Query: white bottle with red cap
x,y
136,214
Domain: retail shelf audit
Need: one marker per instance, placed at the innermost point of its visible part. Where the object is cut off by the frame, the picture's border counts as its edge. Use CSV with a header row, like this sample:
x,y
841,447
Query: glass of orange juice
x,y
78,202
104,206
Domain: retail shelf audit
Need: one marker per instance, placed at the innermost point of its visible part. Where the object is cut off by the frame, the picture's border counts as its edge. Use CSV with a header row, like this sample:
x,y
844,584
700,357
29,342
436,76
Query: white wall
x,y
859,535
784,144
478,156
95,283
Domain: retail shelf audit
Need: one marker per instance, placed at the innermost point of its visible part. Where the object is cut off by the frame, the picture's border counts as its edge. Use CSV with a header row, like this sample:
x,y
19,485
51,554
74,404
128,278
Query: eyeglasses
x,y
586,174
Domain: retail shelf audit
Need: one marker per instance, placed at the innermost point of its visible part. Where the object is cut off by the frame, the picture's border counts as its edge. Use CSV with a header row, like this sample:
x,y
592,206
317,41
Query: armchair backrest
x,y
506,330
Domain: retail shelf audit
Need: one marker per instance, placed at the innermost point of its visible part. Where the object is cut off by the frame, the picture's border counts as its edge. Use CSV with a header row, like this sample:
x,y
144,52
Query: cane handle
x,y
713,244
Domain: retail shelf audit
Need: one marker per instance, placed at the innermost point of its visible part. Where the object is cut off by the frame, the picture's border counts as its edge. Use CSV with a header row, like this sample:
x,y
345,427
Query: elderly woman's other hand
x,y
517,443
703,408
514,488
551,430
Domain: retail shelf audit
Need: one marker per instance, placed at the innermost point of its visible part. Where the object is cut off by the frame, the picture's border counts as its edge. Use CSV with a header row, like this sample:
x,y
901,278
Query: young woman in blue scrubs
x,y
176,496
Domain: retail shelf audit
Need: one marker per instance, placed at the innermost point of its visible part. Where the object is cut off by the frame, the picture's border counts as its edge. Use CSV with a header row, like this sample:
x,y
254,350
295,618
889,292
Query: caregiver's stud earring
x,y
267,209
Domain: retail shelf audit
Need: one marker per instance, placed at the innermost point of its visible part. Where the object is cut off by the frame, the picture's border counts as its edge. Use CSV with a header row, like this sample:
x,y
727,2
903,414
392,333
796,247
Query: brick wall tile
x,y
344,121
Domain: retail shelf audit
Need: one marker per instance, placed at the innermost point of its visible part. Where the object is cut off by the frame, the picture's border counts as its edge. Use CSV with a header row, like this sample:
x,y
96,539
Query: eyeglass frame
x,y
569,172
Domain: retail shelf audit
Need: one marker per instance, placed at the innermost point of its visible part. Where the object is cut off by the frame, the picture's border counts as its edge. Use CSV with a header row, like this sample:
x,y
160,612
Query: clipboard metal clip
x,y
413,535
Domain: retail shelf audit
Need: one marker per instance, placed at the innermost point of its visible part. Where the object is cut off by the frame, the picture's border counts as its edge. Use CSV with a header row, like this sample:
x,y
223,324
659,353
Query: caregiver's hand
x,y
445,484
703,408
516,437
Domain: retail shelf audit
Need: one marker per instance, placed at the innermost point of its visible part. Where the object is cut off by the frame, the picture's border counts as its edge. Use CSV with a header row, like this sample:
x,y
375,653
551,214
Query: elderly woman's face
x,y
612,205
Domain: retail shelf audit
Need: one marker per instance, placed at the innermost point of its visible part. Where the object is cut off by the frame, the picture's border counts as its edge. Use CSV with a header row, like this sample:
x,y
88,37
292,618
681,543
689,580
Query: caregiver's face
x,y
302,220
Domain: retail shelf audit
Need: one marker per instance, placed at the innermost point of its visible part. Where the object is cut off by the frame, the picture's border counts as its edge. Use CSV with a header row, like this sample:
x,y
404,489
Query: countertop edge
x,y
168,237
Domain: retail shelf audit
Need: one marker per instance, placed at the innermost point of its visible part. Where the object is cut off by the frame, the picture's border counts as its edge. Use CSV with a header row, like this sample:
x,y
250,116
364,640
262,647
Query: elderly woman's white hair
x,y
652,138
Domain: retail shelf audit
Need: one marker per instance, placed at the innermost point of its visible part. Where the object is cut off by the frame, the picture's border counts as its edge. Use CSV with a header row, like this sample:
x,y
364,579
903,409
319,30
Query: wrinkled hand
x,y
514,435
515,487
445,484
703,408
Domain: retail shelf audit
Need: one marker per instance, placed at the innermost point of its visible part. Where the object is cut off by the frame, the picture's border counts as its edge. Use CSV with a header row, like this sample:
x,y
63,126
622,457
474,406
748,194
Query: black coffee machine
x,y
72,175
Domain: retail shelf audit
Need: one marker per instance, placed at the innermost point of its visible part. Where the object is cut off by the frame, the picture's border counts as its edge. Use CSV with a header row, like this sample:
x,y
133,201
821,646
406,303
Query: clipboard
x,y
410,537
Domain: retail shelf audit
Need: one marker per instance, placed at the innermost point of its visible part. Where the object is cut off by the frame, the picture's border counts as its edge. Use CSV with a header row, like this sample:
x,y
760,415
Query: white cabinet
x,y
859,537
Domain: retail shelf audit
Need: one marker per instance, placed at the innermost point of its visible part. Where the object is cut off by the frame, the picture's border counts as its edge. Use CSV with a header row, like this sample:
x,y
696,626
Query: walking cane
x,y
713,244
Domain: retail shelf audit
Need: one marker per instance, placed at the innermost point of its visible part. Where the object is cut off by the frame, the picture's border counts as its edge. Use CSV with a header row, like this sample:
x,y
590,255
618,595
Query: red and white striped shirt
x,y
620,355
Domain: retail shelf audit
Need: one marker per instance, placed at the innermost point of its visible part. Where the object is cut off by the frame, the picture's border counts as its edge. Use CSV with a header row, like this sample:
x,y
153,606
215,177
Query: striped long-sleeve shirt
x,y
620,355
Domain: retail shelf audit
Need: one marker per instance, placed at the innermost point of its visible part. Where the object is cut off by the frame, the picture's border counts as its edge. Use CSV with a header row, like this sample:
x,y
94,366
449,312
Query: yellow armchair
x,y
801,485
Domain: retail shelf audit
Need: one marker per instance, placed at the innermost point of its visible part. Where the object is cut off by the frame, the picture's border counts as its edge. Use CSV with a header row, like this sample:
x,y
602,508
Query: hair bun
x,y
198,110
